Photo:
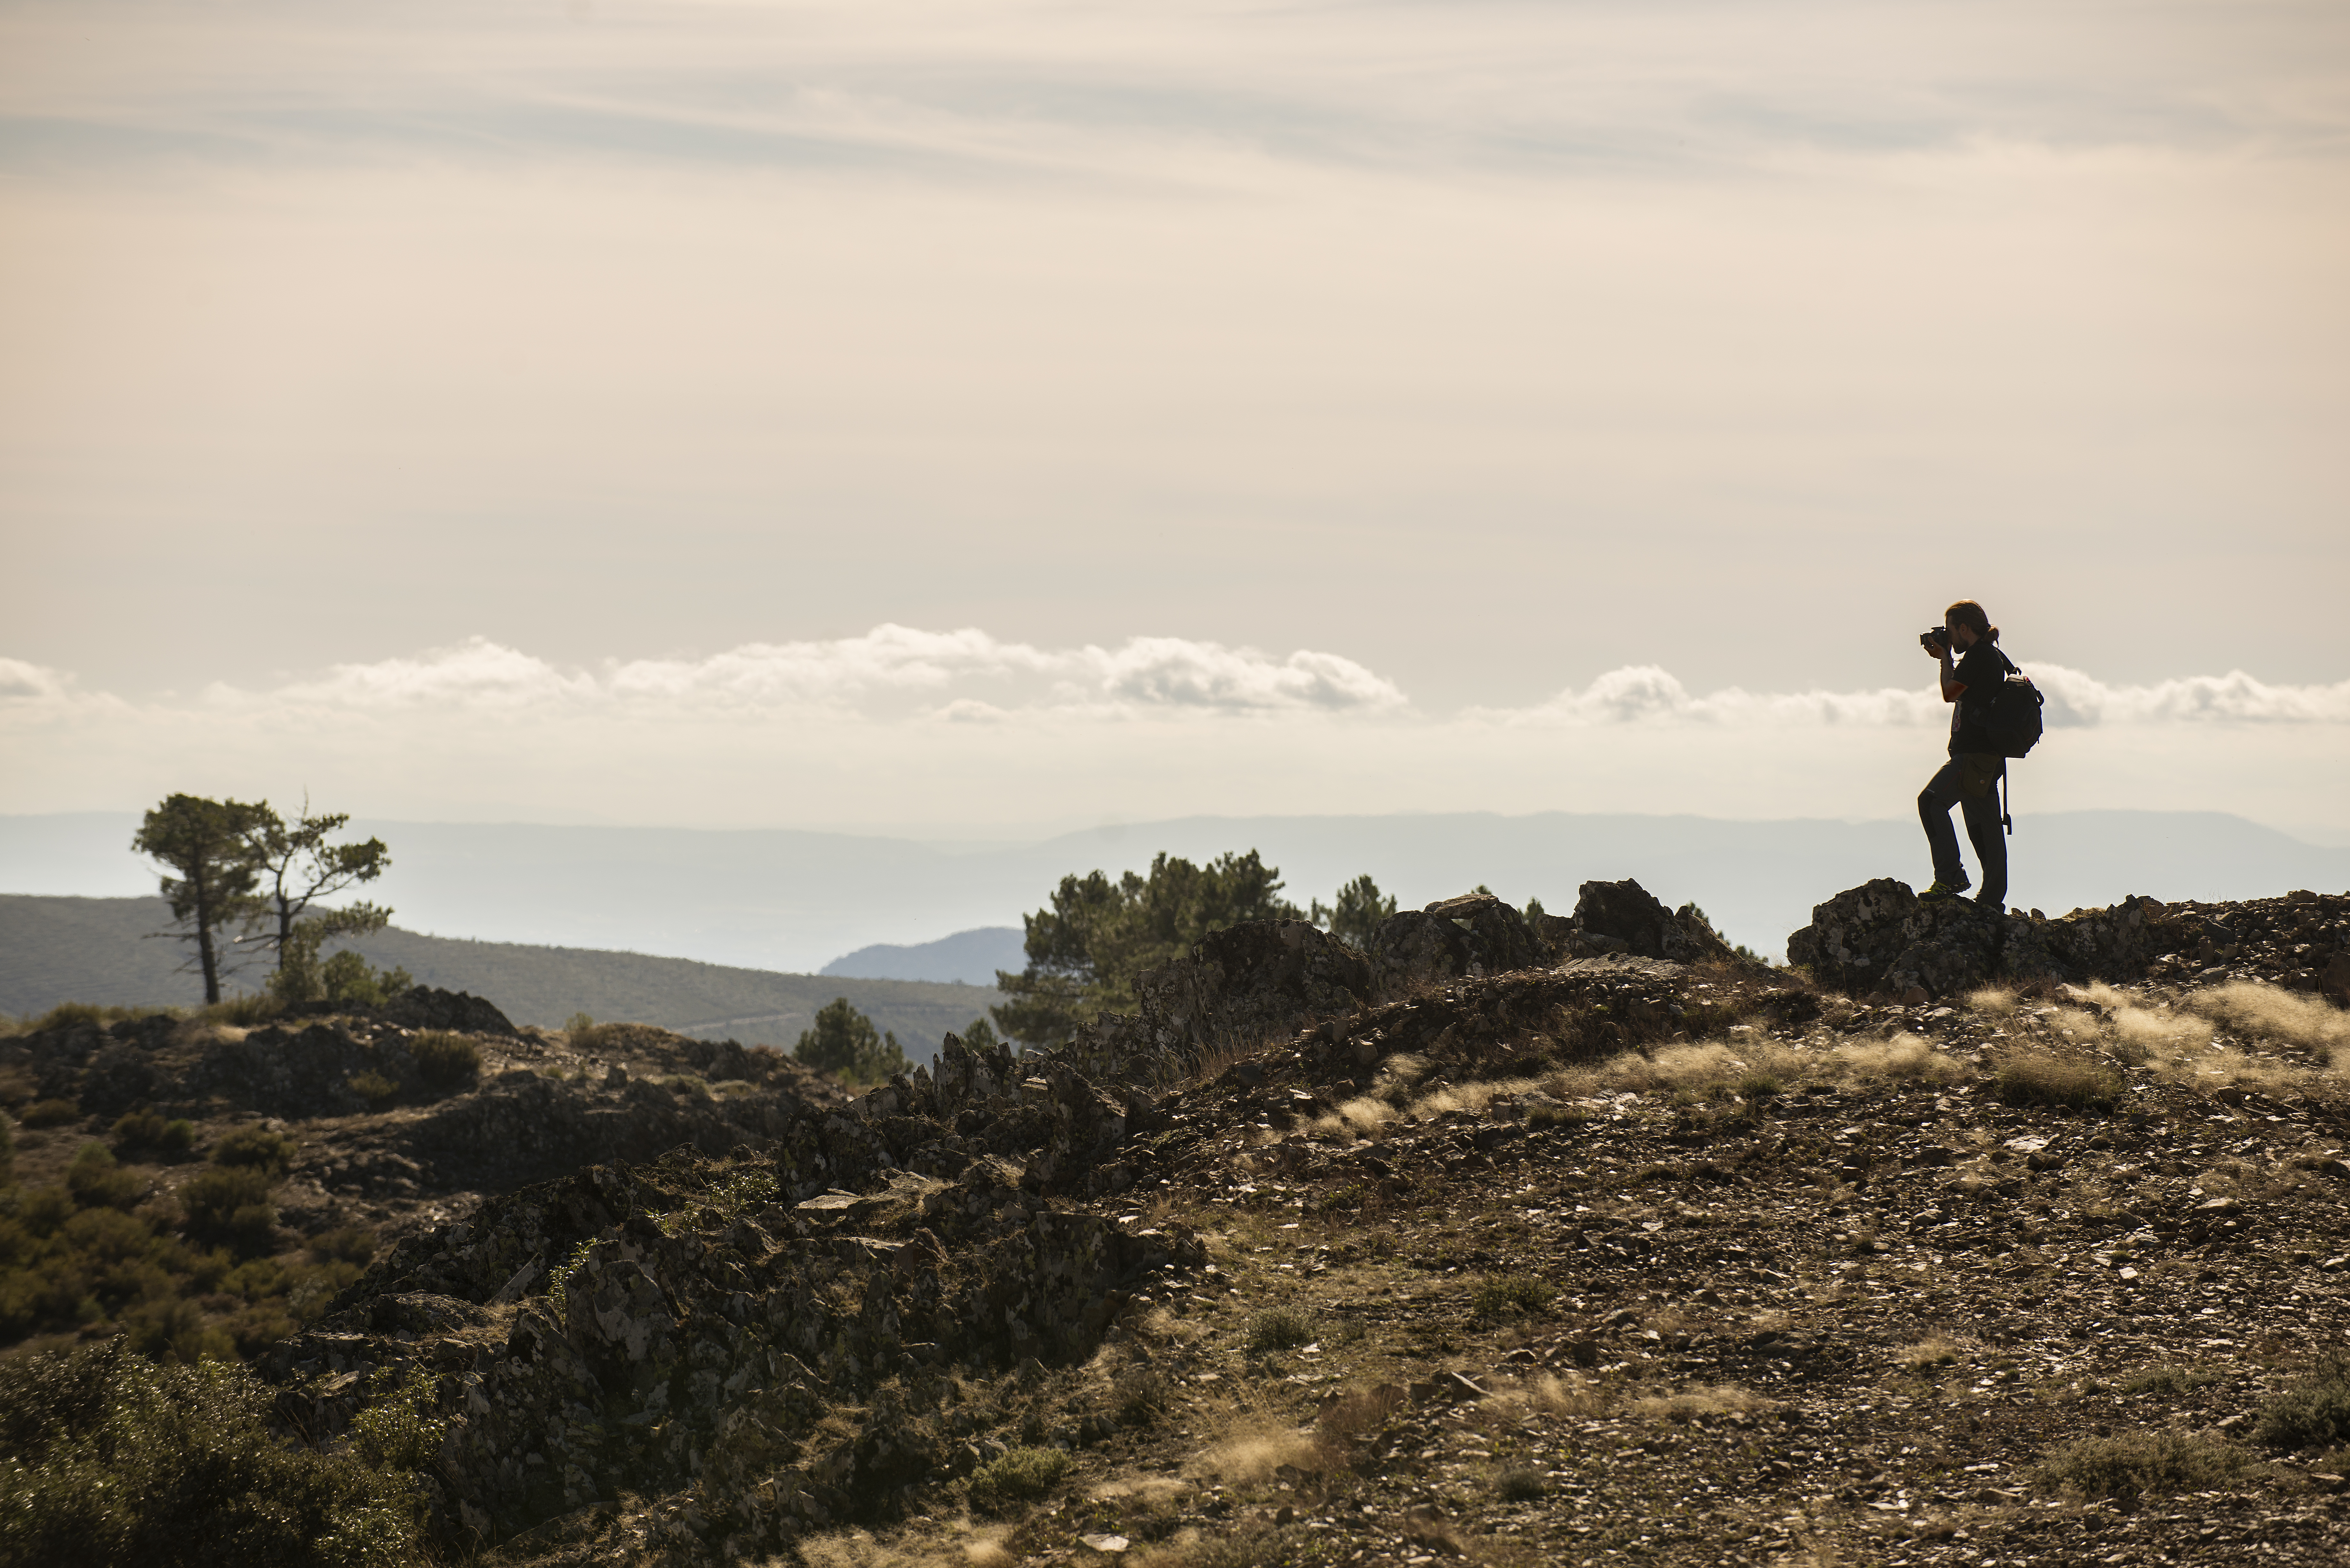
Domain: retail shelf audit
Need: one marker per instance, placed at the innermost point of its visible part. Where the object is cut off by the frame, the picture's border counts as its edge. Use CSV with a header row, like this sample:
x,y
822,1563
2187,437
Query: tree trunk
x,y
206,916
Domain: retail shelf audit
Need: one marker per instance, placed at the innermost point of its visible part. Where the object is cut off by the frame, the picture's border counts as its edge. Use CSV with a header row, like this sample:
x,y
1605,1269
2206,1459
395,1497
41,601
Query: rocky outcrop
x,y
1626,917
771,1336
1453,939
1880,936
429,1007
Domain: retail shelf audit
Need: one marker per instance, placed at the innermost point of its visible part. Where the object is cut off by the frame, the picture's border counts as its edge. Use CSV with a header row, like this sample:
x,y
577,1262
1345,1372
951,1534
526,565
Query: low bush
x,y
1281,1328
1020,1477
228,1205
2124,1468
1523,1484
145,1132
95,1180
444,1058
50,1112
2038,1078
2314,1414
2167,1379
257,1146
117,1459
1511,1295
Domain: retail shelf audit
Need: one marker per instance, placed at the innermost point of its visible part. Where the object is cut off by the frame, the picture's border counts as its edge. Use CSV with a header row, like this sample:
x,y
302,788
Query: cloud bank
x,y
969,673
948,733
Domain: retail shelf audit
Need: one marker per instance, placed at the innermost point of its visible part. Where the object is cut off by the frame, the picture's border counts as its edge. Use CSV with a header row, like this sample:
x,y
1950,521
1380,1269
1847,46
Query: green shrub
x,y
272,1151
2314,1414
445,1058
66,1014
1511,1295
349,980
50,1112
229,1205
373,1087
117,1459
1521,1484
1021,1476
1281,1328
148,1133
95,1181
351,1244
2126,1466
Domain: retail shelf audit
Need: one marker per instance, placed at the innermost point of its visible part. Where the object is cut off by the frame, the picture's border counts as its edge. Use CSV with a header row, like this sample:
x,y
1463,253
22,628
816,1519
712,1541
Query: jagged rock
x,y
1475,934
429,1007
1881,936
1623,917
1252,982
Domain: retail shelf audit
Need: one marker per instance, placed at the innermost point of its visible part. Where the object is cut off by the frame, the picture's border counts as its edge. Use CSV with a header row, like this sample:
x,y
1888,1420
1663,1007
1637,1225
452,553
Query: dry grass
x,y
961,1546
1700,1403
2047,1078
1252,1452
2265,1013
2244,1035
1931,1351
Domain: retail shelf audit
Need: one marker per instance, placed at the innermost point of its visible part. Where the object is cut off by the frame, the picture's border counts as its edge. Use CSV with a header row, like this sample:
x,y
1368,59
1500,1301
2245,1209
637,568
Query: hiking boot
x,y
1991,906
1941,889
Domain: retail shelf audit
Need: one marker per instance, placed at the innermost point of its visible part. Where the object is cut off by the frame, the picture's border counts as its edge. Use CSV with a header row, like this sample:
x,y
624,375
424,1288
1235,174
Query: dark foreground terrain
x,y
1984,1241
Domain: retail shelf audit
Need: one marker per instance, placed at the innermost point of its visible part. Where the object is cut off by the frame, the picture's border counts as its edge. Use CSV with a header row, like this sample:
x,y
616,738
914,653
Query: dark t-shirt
x,y
1981,669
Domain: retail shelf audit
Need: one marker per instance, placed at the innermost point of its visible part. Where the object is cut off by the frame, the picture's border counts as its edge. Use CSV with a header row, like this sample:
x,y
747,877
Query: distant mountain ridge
x,y
971,957
783,901
55,949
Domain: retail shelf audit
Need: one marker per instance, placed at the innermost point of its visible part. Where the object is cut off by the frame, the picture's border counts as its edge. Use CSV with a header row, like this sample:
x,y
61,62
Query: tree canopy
x,y
211,871
844,1043
299,864
1085,949
1356,913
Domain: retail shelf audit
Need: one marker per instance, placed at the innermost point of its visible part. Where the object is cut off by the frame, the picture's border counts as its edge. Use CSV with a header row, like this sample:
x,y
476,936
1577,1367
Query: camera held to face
x,y
1935,640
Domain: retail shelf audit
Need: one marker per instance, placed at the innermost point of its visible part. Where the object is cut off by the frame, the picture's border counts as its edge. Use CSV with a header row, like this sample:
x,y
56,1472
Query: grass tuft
x,y
2041,1078
1511,1295
1019,1478
1281,1328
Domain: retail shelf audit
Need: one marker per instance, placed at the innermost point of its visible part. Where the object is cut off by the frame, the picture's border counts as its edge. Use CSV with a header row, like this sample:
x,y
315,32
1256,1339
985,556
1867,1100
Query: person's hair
x,y
1968,613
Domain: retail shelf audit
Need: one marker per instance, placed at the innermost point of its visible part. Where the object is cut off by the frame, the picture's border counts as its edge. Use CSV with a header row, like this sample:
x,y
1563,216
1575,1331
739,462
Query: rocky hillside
x,y
1987,1239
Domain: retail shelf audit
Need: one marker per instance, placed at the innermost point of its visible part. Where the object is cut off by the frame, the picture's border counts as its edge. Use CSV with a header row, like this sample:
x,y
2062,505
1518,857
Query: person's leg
x,y
1934,803
1979,799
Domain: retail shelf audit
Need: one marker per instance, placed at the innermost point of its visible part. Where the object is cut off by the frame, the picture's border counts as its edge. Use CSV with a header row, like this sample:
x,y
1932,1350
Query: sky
x,y
975,419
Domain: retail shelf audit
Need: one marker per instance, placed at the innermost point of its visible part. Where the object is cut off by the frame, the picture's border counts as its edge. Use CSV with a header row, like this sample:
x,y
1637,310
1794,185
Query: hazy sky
x,y
563,412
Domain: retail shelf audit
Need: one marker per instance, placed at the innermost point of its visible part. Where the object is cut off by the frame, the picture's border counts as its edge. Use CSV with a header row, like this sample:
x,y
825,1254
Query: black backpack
x,y
2014,720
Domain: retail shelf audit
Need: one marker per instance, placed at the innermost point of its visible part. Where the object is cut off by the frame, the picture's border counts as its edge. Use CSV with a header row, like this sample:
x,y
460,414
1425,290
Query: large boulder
x,y
1626,917
1475,934
1882,936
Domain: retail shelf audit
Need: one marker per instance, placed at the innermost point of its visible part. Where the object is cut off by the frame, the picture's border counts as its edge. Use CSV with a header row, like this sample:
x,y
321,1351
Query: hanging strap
x,y
2005,800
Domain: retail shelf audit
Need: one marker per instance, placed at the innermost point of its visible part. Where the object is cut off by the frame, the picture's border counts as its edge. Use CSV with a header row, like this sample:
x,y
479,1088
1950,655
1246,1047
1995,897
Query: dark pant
x,y
1969,781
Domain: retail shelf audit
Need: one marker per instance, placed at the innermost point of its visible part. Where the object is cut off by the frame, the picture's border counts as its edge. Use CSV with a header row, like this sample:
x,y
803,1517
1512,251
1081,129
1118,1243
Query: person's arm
x,y
1952,687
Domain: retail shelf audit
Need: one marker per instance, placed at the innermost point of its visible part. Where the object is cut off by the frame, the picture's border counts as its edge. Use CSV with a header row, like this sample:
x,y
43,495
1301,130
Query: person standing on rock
x,y
1970,780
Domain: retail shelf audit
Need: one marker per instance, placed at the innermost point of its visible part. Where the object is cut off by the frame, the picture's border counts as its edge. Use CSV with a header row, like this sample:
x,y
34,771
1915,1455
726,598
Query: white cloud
x,y
1645,694
1143,674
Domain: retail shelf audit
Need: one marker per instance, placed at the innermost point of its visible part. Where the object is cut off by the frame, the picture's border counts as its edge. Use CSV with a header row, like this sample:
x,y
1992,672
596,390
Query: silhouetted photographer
x,y
1995,715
